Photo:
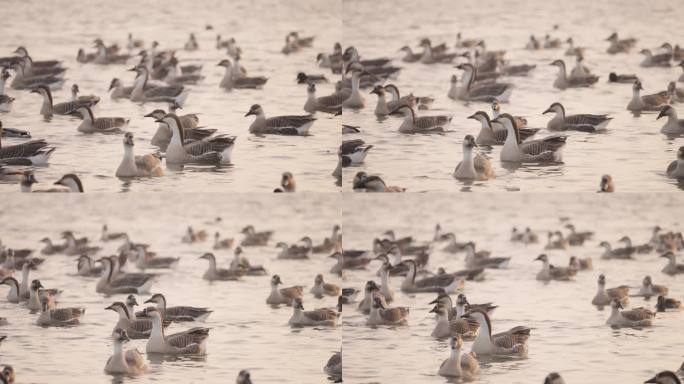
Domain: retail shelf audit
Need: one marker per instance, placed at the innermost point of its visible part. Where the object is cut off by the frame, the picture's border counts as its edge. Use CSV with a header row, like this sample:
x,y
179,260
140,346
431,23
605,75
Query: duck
x,y
85,267
373,183
654,102
675,170
457,326
190,342
622,78
581,122
422,124
473,167
66,184
290,125
495,134
215,150
674,125
605,296
283,295
241,262
546,150
130,362
327,104
580,264
549,272
121,283
463,365
178,314
619,46
485,92
447,283
382,315
90,124
664,377
511,342
254,238
220,274
666,303
618,253
672,268
637,317
230,82
316,318
137,166
59,317
564,81
321,288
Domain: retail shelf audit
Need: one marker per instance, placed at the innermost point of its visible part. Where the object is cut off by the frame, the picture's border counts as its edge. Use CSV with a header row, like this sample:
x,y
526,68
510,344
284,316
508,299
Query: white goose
x,y
473,166
137,166
459,365
128,362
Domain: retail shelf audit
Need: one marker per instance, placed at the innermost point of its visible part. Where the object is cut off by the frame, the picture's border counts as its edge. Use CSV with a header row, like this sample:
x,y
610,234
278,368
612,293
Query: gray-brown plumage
x,y
328,104
179,313
668,303
90,124
65,108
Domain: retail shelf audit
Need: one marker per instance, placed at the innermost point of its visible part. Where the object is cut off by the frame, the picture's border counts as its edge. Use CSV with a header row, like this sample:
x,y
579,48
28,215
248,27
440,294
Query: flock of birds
x,y
483,80
461,321
150,324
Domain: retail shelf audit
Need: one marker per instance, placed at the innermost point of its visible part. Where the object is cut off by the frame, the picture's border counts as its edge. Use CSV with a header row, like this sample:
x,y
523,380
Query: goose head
x,y
543,258
243,377
275,281
666,111
121,335
607,184
71,181
469,142
555,108
287,180
297,303
209,256
255,110
664,377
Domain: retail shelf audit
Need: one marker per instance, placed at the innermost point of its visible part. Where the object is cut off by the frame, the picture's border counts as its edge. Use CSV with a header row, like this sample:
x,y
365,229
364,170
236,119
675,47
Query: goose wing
x,y
547,144
27,149
435,281
495,89
14,132
66,314
513,336
134,358
171,91
185,339
562,272
427,122
349,146
582,81
586,119
637,314
336,99
321,314
670,168
288,121
214,144
394,314
183,312
141,326
483,165
292,292
130,280
655,99
249,82
195,134
109,124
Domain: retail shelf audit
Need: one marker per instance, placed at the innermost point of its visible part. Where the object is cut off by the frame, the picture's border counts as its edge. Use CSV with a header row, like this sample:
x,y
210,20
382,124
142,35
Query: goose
x,y
551,43
50,248
605,296
303,78
191,44
230,82
674,125
496,111
637,317
532,44
244,377
75,247
664,377
455,327
24,81
108,55
440,235
676,94
383,107
189,122
283,295
381,315
89,100
549,272
530,237
316,318
293,252
122,283
581,122
137,166
220,274
128,362
137,327
107,236
546,150
241,262
447,283
619,46
466,43
563,81
640,248
385,287
215,150
134,43
142,93
554,378
222,243
347,261
618,253
59,317
190,342
85,267
327,104
667,303
355,150
432,56
672,268
333,367
473,167
409,55
371,290
659,60
459,365
23,52
118,91
607,184
39,296
279,125
13,293
5,101
8,374
649,289
653,102
675,170
373,183
355,99
83,57
580,71
65,108
578,237
66,184
580,264
454,246
462,305
422,102
254,238
90,124
422,124
321,288
572,50
178,314
174,78
511,342
475,260
486,92
14,132
495,134
144,260
622,78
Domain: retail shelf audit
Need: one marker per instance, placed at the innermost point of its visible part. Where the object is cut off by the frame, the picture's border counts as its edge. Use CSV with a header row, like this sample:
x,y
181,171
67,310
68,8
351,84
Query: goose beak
x,y
547,111
661,114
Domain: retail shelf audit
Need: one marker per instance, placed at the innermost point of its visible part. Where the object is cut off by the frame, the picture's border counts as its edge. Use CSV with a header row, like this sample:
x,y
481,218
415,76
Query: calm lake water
x,y
568,334
633,151
246,333
56,30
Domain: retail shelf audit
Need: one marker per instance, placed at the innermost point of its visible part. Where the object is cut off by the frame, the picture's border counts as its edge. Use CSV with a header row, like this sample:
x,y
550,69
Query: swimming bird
x,y
59,317
672,268
321,288
222,243
23,80
8,375
283,295
303,78
622,78
254,238
456,326
385,287
549,272
639,248
107,236
328,104
511,342
422,124
551,43
481,259
420,102
34,152
293,252
142,92
211,150
279,125
434,56
674,125
14,132
495,134
86,267
658,60
241,262
473,166
466,43
637,317
664,377
572,50
459,365
65,108
40,297
666,303
66,184
580,71
409,55
244,377
485,92
89,100
675,170
190,342
616,253
533,44
129,361
447,283
90,124
580,264
607,185
13,293
178,314
355,99
220,274
230,82
564,81
619,46
348,260
649,289
373,183
121,283
605,296
654,102
581,122
371,290
554,378
381,315
315,318
137,166
546,150
189,122
355,151
137,327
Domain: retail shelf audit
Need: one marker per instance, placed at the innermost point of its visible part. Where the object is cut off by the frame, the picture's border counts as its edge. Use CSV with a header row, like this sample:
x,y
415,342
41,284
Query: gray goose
x,y
289,125
654,102
177,314
142,93
328,104
212,150
90,124
354,150
563,81
230,82
422,124
485,92
581,122
65,108
495,134
89,100
24,81
373,183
